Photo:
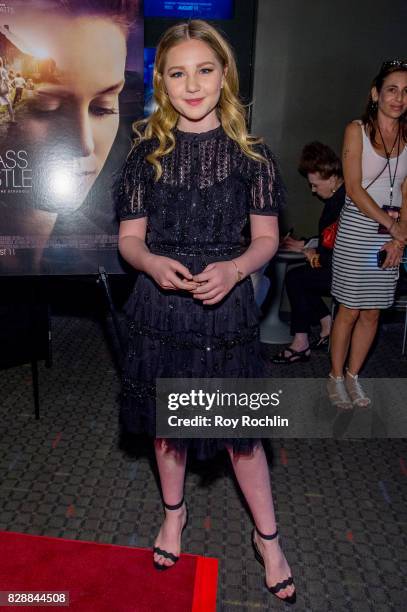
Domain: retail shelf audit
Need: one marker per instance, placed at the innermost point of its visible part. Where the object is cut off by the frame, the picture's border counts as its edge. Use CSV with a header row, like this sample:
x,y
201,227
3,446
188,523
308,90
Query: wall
x,y
314,63
244,21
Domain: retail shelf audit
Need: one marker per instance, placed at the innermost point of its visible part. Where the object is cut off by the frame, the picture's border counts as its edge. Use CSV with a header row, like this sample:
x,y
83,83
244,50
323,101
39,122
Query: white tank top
x,y
372,164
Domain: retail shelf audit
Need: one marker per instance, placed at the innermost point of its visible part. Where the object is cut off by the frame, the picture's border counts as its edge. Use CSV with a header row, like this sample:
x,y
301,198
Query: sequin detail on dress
x,y
195,213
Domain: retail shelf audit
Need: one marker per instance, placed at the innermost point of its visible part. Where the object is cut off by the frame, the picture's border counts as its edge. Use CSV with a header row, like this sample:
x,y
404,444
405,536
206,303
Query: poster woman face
x,y
59,158
72,117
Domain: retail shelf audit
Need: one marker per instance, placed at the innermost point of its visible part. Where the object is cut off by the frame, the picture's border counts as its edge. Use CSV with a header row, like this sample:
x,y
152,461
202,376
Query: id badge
x,y
394,213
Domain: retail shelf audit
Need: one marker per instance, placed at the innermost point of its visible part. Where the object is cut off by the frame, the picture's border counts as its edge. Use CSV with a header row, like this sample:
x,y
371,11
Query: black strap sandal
x,y
320,343
293,357
165,553
291,599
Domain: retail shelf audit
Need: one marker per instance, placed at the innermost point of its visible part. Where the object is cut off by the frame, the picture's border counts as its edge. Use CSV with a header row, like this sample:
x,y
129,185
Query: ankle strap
x,y
175,506
266,536
336,378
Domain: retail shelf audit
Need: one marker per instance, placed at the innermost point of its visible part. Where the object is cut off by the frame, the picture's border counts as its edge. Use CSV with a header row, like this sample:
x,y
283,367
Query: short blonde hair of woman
x,y
163,119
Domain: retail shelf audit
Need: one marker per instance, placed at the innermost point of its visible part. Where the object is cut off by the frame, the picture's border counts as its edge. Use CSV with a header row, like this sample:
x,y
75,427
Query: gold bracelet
x,y
239,273
398,244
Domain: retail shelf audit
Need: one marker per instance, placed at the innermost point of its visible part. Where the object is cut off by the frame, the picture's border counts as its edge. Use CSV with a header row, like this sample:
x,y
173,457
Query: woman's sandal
x,y
337,393
293,357
320,343
355,391
291,599
165,553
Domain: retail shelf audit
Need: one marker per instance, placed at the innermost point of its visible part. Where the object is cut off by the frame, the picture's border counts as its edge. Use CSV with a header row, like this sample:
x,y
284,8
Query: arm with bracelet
x,y
220,277
391,253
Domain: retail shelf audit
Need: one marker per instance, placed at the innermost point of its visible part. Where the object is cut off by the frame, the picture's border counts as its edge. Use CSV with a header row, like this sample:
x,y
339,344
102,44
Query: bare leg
x,y
300,342
326,324
362,338
171,467
252,474
341,336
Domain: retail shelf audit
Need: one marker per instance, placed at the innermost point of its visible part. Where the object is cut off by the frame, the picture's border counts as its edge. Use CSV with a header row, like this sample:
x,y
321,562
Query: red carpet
x,y
103,577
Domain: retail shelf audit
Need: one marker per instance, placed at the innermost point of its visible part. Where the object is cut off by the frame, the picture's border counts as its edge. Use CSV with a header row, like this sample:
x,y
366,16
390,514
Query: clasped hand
x,y
170,274
210,286
215,282
393,254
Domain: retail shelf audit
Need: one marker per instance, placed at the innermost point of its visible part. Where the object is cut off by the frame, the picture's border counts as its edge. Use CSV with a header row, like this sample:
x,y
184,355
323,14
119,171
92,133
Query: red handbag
x,y
329,235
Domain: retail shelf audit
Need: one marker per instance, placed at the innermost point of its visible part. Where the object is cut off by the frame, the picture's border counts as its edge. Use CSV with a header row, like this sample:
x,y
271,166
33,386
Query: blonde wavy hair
x,y
231,112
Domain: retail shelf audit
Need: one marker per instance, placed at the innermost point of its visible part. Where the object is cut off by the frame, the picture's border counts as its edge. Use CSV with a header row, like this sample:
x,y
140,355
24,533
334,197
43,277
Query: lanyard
x,y
392,179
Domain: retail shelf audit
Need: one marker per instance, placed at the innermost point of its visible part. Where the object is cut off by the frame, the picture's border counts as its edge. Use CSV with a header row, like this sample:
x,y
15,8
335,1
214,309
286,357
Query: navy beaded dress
x,y
195,214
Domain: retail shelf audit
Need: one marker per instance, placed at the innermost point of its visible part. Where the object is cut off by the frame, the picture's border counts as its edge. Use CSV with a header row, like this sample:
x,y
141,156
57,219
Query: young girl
x,y
189,185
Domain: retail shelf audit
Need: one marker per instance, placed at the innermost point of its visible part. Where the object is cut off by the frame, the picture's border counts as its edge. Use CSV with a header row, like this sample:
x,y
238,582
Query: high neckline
x,y
338,193
208,135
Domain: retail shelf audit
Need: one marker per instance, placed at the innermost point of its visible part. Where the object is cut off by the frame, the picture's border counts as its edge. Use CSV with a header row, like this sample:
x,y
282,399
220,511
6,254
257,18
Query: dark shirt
x,y
206,192
330,214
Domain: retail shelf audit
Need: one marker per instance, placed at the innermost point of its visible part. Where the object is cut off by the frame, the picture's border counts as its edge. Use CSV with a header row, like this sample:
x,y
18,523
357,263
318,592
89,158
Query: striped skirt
x,y
357,281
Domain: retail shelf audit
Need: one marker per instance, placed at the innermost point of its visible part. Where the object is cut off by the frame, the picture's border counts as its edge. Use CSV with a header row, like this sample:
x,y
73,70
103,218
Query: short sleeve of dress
x,y
131,185
267,191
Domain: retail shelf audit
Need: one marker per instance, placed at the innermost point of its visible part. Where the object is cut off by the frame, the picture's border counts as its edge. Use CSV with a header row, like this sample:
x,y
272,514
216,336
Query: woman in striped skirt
x,y
375,171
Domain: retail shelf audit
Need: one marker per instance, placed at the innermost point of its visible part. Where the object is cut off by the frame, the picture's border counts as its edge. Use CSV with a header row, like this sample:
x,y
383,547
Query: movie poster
x,y
71,84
